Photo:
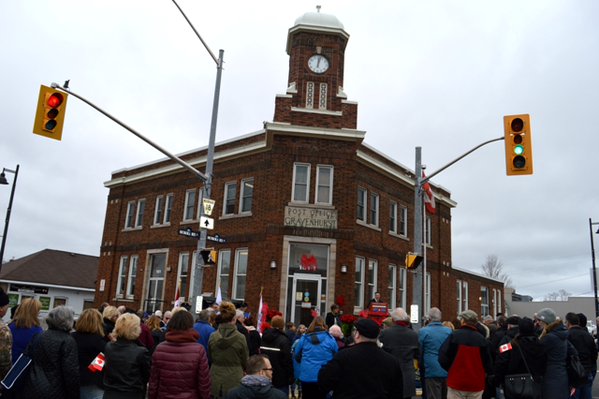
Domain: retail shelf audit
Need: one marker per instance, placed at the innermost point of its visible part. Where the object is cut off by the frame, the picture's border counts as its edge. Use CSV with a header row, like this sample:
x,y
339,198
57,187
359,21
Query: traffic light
x,y
49,117
209,256
518,145
413,260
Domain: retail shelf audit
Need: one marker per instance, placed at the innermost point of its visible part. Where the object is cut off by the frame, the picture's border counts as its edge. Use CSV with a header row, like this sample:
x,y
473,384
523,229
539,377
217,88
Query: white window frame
x,y
373,269
462,295
362,204
428,236
484,301
239,275
187,205
130,217
243,197
222,255
393,217
159,210
122,277
139,214
373,208
403,286
392,288
329,199
304,200
168,208
402,220
428,292
132,278
360,267
183,265
230,198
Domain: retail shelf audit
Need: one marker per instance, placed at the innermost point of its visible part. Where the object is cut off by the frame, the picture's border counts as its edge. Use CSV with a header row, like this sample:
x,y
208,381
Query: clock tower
x,y
315,97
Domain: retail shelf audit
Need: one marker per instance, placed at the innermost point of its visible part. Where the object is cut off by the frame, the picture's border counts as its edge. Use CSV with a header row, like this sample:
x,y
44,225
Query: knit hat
x,y
367,328
513,320
469,316
547,315
526,326
3,298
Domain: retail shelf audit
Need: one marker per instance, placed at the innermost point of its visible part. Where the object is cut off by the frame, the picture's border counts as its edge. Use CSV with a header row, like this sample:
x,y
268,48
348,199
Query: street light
x,y
591,224
12,194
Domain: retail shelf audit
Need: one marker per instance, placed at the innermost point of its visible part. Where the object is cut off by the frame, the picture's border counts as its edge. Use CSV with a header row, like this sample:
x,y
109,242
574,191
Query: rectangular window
x,y
324,184
484,301
159,210
361,212
372,277
141,206
393,217
427,293
403,220
428,231
247,192
359,283
122,279
132,276
241,267
403,287
322,100
374,209
168,208
182,275
459,295
462,295
392,286
301,182
230,198
190,205
130,218
224,270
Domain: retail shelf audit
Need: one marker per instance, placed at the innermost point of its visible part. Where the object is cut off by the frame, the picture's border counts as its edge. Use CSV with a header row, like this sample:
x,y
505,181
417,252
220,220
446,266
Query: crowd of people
x,y
113,352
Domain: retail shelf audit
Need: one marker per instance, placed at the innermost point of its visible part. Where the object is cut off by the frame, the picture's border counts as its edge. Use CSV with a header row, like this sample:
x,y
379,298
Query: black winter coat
x,y
585,345
363,371
54,372
511,361
88,347
277,347
402,343
126,371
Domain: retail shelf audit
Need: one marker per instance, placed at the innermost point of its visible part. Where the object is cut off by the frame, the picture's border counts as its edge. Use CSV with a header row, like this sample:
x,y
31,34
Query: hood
x,y
228,333
558,329
258,386
190,335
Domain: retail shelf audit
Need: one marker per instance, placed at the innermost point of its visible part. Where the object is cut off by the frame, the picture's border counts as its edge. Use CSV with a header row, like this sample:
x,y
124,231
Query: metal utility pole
x,y
9,209
591,224
206,192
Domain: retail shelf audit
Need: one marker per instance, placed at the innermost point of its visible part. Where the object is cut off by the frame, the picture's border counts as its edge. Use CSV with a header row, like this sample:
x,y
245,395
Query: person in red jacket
x,y
465,355
179,364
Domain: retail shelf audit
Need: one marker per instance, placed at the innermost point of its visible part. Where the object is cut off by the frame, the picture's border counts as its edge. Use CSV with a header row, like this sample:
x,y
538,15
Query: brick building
x,y
310,214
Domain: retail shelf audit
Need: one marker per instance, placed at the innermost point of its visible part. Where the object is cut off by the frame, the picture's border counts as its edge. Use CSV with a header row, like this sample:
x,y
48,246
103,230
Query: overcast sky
x,y
434,74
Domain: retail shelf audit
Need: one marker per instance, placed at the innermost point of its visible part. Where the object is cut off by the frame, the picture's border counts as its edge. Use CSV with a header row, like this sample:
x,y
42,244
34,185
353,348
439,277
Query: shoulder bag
x,y
577,375
522,386
20,369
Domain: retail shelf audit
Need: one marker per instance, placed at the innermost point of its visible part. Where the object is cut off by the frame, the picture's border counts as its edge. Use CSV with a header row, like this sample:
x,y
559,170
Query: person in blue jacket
x,y
315,349
431,338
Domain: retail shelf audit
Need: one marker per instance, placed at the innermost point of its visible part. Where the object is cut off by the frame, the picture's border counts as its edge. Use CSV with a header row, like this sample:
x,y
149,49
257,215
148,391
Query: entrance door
x,y
156,283
305,298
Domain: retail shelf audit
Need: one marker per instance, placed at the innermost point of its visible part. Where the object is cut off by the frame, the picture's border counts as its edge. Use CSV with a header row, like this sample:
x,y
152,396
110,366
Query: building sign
x,y
28,289
313,218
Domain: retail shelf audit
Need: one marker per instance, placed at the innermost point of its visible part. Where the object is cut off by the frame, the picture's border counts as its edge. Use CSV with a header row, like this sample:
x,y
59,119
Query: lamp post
x,y
12,194
591,224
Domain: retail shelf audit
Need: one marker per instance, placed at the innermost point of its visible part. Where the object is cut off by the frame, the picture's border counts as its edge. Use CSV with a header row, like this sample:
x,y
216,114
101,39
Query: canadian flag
x,y
505,347
98,363
429,198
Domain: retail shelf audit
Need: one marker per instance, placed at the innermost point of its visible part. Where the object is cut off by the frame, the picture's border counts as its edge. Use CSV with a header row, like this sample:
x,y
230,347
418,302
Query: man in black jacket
x,y
363,371
582,340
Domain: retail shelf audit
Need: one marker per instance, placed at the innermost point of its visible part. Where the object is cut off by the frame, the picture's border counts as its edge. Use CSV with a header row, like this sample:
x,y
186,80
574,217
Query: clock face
x,y
318,63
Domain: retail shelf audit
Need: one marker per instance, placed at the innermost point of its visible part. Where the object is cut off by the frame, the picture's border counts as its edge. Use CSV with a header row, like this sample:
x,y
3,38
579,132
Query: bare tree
x,y
494,268
563,294
552,296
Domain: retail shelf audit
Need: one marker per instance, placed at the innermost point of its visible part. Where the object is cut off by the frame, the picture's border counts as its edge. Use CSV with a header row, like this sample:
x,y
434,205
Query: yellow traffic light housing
x,y
518,145
49,117
209,256
413,260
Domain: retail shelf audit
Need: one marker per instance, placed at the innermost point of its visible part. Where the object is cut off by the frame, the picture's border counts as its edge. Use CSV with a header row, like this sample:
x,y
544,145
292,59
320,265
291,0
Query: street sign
x,y
188,232
207,223
208,205
216,238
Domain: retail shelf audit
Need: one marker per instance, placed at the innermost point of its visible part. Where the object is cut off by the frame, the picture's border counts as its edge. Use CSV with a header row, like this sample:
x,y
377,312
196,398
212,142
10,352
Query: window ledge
x,y
158,226
308,205
194,221
370,226
236,215
139,228
400,236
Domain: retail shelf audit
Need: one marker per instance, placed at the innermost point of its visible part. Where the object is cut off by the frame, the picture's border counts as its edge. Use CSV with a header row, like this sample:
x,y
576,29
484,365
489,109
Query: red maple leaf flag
x,y
429,198
98,363
505,347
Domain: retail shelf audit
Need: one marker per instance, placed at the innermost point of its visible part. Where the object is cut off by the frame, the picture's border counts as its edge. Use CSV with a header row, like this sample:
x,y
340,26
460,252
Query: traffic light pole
x,y
419,246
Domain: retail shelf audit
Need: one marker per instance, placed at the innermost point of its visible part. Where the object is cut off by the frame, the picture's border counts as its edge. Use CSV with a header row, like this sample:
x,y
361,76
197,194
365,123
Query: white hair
x,y
434,314
399,314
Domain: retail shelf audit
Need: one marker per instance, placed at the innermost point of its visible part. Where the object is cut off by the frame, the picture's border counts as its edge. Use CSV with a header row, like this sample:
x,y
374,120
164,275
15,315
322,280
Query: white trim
x,y
226,198
238,252
309,170
317,111
316,131
249,180
330,195
36,284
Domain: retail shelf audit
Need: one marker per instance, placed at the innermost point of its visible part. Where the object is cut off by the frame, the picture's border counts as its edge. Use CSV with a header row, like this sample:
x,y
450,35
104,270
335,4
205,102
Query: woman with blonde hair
x,y
154,324
109,315
228,351
127,367
89,336
25,326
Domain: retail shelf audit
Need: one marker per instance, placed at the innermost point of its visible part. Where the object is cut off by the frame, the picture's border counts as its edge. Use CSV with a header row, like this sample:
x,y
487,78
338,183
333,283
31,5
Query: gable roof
x,y
52,267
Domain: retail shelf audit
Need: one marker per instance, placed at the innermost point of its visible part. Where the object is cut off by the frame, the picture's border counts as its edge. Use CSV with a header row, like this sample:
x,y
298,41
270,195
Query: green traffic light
x,y
519,150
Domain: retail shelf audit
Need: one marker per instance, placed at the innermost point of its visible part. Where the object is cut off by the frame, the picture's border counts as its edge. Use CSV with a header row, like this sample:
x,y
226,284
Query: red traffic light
x,y
55,100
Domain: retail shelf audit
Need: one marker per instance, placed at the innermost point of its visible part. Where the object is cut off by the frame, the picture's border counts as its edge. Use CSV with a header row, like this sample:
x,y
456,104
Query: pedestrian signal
x,y
413,260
